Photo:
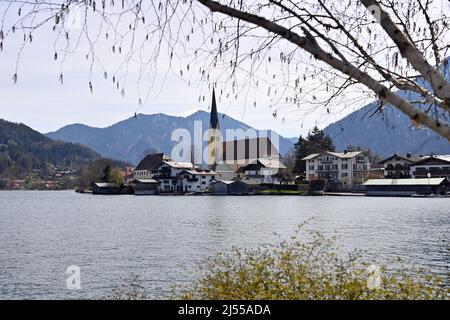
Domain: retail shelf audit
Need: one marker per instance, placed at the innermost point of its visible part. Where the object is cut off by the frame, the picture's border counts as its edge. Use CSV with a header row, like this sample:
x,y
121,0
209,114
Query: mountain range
x,y
383,132
130,139
24,151
387,130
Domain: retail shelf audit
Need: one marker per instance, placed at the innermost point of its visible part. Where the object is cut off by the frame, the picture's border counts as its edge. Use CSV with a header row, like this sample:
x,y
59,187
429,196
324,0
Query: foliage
x,y
102,170
26,152
315,142
298,269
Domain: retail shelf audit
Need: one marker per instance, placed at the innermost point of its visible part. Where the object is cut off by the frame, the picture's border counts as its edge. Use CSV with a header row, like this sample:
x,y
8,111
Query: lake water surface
x,y
162,239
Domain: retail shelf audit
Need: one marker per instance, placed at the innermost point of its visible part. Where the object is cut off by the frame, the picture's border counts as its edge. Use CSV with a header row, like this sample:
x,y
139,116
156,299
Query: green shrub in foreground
x,y
305,270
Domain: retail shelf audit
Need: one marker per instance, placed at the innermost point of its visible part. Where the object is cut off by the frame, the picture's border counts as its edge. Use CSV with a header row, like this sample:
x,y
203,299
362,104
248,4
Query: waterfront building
x,y
347,167
236,187
196,180
168,173
398,167
406,187
263,170
148,167
434,166
145,186
108,188
405,167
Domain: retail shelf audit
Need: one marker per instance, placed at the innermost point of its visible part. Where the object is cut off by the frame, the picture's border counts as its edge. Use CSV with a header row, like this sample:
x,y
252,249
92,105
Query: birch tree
x,y
305,55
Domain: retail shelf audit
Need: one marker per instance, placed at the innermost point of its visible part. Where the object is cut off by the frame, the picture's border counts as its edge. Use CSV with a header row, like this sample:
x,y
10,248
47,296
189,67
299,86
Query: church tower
x,y
214,135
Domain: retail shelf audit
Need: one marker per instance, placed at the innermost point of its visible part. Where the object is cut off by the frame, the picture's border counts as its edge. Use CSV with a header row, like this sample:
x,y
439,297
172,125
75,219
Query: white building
x,y
263,170
168,175
196,180
148,167
435,166
346,167
431,166
398,167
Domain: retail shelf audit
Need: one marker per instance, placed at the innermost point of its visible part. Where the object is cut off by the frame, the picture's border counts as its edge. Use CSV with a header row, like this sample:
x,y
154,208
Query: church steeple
x,y
214,119
214,134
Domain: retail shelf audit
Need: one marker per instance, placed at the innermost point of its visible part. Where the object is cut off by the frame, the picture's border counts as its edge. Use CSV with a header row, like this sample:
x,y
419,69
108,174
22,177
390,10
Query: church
x,y
229,158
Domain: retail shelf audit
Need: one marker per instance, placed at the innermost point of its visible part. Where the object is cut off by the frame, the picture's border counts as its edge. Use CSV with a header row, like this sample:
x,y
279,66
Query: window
x,y
203,182
311,168
344,166
344,175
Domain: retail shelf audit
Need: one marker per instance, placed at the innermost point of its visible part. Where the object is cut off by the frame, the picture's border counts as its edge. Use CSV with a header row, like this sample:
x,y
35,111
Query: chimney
x,y
408,155
345,151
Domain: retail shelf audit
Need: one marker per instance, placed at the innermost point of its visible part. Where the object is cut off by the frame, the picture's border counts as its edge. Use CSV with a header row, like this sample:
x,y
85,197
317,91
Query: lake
x,y
162,239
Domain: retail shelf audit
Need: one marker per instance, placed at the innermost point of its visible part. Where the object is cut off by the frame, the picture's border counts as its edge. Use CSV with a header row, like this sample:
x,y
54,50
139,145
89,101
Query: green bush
x,y
296,269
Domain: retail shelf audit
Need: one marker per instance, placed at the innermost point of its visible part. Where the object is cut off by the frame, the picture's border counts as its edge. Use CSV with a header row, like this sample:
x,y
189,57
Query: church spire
x,y
214,119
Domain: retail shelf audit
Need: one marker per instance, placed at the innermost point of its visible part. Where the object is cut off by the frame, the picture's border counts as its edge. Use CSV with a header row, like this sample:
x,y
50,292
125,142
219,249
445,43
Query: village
x,y
253,166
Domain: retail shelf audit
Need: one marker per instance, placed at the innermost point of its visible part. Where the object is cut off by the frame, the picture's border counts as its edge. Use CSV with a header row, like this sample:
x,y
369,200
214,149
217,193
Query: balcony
x,y
390,167
328,170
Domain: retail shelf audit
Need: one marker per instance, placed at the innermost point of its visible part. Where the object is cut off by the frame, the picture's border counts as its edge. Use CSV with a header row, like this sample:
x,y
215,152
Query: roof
x,y
409,159
214,119
405,182
444,158
201,172
224,181
147,181
311,156
179,165
150,161
345,155
342,155
271,163
105,185
221,167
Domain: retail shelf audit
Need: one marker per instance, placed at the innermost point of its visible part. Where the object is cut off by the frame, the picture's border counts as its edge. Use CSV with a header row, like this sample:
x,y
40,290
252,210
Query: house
x,y
398,167
406,187
105,188
147,168
168,175
145,186
434,166
263,170
236,187
347,167
196,180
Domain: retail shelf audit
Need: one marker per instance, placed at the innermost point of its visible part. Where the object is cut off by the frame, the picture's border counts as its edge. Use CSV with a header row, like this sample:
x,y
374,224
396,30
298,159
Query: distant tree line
x,y
26,152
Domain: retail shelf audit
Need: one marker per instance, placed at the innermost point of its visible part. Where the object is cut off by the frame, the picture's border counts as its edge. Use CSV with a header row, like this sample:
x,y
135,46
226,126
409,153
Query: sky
x,y
40,101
